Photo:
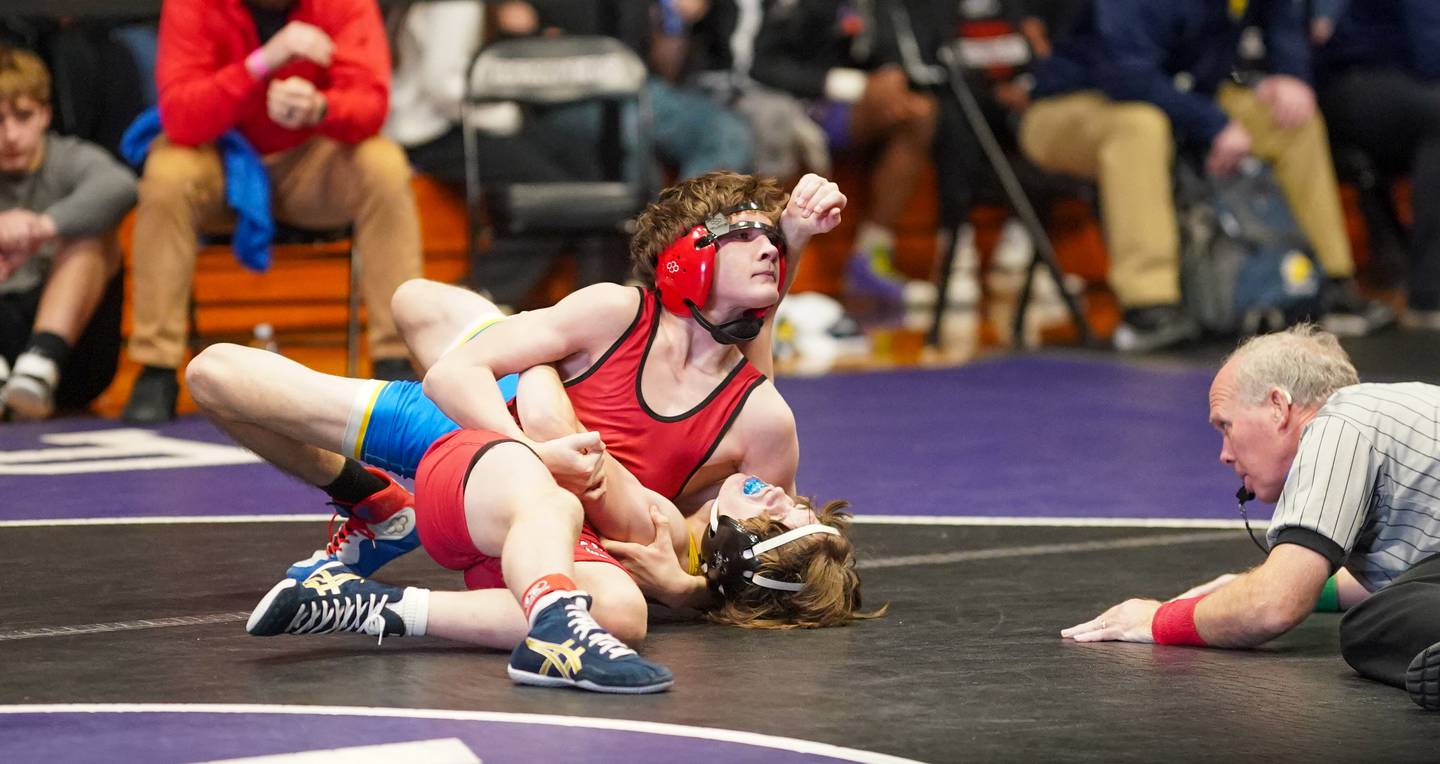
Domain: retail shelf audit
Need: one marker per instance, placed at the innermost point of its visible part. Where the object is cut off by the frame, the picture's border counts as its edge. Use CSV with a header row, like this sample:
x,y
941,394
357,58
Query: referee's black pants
x,y
1380,636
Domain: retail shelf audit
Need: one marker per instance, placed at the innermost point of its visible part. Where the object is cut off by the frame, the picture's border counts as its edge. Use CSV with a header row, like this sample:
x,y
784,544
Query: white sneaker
x,y
30,392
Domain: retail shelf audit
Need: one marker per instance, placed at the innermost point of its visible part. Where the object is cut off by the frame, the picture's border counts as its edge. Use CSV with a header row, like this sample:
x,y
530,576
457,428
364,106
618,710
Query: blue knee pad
x,y
403,423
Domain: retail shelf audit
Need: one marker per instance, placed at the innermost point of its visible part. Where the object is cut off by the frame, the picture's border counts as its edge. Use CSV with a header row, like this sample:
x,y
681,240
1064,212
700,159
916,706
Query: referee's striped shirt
x,y
1364,489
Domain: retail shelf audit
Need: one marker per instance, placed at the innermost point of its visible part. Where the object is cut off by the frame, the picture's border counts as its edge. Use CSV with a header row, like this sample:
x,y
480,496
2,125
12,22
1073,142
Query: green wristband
x,y
1329,601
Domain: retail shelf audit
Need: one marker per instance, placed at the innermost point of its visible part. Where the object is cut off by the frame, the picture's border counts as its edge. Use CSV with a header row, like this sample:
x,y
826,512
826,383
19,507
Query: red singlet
x,y
662,452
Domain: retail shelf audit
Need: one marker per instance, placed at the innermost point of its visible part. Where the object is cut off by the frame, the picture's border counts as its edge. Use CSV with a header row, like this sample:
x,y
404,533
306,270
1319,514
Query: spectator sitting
x,y
844,59
1378,80
60,291
1106,104
306,83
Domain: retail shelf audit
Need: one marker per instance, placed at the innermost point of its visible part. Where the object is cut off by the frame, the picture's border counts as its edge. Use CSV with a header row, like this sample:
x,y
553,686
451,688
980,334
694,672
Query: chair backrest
x,y
554,70
542,72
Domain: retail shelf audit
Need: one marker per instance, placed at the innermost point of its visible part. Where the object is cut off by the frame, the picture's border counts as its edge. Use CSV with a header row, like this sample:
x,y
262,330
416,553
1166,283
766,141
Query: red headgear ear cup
x,y
685,269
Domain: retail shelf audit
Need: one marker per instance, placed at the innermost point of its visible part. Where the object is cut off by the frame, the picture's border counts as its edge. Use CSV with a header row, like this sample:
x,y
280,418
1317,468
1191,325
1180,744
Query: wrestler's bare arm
x,y
813,208
572,331
619,508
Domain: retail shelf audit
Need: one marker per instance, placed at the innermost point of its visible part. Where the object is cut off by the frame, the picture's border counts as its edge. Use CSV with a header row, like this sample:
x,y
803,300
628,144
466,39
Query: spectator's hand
x,y
21,233
691,10
297,40
517,18
575,461
1206,588
1012,95
654,566
1321,29
1291,100
814,208
294,103
1127,622
1228,148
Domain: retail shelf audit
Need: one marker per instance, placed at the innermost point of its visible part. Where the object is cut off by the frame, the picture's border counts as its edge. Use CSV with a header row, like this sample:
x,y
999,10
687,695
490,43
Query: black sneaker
x,y
331,599
1349,313
1422,679
152,400
1157,327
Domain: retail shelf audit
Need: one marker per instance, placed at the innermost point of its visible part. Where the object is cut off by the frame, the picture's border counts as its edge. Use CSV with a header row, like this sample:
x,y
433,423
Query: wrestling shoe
x,y
377,529
567,648
330,599
1422,679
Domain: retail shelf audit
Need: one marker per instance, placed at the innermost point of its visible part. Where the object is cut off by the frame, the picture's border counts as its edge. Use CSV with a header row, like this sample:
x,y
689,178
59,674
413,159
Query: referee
x,y
1354,470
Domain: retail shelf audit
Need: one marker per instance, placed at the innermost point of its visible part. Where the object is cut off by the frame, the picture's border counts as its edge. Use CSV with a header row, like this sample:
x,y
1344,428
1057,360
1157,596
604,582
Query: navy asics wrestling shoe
x,y
1422,679
377,529
567,648
330,599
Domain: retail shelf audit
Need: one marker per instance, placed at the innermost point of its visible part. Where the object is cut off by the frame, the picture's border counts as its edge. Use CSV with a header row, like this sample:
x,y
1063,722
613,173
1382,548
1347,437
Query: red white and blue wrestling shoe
x,y
377,529
567,648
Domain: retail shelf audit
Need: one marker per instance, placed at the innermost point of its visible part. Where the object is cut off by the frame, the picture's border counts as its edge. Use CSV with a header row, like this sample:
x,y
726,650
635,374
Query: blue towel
x,y
247,186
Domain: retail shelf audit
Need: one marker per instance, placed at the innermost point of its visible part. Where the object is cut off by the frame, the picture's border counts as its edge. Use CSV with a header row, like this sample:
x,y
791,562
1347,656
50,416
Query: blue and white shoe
x,y
567,648
330,599
377,530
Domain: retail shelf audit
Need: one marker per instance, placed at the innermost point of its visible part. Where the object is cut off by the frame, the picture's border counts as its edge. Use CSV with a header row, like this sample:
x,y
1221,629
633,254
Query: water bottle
x,y
265,338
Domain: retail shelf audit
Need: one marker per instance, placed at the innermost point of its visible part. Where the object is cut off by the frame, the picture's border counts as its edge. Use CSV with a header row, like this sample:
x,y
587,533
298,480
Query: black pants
x,y
92,362
1395,119
1380,636
962,172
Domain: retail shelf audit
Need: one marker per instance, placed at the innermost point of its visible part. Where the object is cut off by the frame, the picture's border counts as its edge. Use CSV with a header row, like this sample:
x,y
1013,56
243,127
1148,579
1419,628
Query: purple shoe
x,y
873,275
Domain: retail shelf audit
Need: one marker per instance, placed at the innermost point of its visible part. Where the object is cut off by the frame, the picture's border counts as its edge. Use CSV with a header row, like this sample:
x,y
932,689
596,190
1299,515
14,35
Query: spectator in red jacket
x,y
306,82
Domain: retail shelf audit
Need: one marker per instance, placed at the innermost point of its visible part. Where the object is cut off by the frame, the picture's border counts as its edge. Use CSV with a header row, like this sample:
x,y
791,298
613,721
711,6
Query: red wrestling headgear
x,y
685,269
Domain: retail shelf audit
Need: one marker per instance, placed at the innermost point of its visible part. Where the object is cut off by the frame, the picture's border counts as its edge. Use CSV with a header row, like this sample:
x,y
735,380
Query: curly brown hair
x,y
686,205
824,561
22,75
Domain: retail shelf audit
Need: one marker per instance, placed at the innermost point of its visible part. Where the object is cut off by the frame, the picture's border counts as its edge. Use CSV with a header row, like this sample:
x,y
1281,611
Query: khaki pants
x,y
1127,147
320,184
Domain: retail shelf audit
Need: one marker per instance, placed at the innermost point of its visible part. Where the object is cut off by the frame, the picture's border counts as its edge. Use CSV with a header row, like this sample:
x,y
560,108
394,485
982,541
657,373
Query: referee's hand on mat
x,y
1127,622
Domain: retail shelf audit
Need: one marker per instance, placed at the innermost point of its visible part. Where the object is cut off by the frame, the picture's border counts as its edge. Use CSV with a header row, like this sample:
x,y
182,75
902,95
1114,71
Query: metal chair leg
x,y
352,317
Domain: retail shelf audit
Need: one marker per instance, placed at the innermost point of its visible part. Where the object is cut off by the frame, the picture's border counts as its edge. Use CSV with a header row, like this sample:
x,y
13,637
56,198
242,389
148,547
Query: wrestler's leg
x,y
291,416
433,317
492,617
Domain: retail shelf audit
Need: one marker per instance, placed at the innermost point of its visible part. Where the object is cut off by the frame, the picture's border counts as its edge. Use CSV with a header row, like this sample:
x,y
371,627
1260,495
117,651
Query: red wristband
x,y
1174,623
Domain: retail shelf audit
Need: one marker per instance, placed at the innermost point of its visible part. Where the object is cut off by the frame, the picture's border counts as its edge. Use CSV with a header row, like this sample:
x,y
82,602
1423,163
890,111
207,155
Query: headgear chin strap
x,y
730,555
685,270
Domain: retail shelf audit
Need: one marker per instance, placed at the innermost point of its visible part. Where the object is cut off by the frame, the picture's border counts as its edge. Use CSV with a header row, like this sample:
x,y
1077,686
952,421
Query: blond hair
x,y
1304,361
688,203
824,561
23,75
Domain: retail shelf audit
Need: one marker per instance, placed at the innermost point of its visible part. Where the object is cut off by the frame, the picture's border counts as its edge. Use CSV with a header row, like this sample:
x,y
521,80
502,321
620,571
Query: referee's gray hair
x,y
1304,361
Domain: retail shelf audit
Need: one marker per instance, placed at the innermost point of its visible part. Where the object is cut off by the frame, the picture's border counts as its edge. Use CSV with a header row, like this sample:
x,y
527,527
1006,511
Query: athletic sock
x,y
49,345
415,610
544,591
355,484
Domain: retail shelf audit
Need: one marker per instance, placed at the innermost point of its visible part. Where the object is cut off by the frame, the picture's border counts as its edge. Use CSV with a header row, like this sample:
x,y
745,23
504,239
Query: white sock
x,y
548,599
415,610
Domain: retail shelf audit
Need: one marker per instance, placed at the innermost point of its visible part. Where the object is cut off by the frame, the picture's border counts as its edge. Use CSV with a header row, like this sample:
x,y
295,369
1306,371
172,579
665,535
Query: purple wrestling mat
x,y
164,733
1014,437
